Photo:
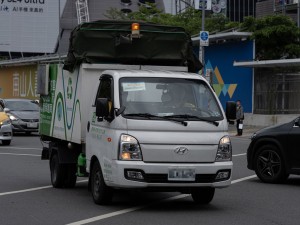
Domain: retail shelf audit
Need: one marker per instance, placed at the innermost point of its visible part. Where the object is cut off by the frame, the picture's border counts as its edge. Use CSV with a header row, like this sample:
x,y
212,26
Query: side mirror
x,y
231,110
102,108
6,110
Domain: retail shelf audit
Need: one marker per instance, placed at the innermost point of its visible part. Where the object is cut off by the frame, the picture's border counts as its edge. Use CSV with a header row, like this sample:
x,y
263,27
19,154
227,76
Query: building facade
x,y
238,9
97,10
29,29
290,8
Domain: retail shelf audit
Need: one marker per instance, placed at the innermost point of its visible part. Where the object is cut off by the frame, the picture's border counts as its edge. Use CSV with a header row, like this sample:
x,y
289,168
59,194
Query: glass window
x,y
276,91
126,11
168,97
14,105
104,90
126,2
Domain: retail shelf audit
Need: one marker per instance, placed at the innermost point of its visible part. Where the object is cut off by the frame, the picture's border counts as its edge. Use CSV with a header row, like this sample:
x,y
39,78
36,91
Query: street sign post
x,y
204,38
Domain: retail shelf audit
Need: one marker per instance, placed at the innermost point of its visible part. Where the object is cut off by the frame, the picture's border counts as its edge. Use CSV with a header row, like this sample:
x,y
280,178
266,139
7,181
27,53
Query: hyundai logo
x,y
181,150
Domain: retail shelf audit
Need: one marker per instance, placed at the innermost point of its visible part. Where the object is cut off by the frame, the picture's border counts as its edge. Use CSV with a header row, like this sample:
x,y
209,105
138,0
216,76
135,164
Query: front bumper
x,y
156,174
21,126
6,132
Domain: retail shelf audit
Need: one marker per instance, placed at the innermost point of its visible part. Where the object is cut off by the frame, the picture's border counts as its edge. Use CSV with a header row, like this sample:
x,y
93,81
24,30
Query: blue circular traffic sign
x,y
204,36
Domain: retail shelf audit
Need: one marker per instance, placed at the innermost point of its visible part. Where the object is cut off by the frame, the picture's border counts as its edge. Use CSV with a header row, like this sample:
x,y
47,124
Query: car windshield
x,y
21,106
168,97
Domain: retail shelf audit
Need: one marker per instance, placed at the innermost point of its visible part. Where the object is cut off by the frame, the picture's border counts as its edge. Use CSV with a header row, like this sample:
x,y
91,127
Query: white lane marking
x,y
239,154
243,179
6,153
33,189
124,211
26,190
17,148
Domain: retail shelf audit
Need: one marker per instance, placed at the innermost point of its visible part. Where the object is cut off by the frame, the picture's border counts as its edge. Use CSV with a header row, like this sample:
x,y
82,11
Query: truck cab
x,y
157,130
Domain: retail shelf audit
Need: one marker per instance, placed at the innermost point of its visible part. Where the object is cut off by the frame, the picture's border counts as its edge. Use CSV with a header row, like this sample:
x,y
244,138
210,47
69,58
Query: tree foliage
x,y
190,19
276,36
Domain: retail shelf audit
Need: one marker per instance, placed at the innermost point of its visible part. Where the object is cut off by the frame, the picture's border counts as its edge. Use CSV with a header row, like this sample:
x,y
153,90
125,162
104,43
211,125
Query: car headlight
x,y
224,152
13,118
5,122
129,148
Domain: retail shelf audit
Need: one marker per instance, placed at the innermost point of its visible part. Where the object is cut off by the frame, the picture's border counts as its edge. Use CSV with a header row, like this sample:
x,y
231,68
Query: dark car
x,y
274,152
23,113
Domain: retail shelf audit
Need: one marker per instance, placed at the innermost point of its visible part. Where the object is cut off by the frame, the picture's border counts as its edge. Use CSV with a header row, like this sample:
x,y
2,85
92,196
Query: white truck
x,y
151,126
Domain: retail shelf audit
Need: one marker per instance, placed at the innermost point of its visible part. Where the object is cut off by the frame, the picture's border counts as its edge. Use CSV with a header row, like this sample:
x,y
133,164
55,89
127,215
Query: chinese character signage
x,y
29,25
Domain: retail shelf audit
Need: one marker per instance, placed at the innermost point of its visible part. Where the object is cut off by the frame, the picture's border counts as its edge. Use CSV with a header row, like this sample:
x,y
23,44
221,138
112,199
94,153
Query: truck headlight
x,y
5,122
224,152
129,148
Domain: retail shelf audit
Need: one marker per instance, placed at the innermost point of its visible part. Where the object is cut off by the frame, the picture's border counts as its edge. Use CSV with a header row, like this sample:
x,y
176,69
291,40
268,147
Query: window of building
x,y
126,11
126,2
276,92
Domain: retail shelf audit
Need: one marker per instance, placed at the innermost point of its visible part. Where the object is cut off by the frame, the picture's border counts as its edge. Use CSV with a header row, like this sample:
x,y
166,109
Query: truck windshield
x,y
185,99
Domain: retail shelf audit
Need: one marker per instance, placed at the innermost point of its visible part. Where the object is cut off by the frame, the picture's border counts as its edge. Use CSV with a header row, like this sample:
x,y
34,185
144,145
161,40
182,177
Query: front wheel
x,y
269,165
102,194
203,195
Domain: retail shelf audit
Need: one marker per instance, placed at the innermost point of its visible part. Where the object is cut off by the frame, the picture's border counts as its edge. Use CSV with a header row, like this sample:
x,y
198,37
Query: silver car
x,y
5,128
23,113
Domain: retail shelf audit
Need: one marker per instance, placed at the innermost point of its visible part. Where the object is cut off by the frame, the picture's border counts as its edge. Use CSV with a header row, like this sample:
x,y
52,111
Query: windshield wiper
x,y
187,117
150,116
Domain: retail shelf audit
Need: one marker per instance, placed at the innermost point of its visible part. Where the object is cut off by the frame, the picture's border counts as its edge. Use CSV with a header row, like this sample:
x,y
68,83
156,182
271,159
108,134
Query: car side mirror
x,y
102,108
230,110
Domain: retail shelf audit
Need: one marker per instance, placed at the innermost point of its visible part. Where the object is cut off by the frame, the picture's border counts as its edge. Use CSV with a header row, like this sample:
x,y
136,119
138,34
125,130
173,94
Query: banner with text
x,y
29,25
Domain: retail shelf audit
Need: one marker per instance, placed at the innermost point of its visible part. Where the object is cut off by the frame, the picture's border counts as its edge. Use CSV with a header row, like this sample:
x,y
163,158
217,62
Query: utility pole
x,y
203,29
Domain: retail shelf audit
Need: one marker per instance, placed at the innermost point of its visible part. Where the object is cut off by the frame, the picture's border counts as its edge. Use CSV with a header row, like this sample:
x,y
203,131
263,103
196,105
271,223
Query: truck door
x,y
99,132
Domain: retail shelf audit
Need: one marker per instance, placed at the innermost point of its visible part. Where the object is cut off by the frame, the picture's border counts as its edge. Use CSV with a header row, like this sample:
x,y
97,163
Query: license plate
x,y
181,174
32,125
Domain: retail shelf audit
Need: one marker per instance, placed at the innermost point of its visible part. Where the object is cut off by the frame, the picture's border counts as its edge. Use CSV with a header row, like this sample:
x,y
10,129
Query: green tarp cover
x,y
110,42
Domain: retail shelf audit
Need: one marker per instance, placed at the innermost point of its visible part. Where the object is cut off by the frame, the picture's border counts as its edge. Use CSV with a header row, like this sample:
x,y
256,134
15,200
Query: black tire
x,y
70,175
57,172
203,195
6,142
269,165
102,194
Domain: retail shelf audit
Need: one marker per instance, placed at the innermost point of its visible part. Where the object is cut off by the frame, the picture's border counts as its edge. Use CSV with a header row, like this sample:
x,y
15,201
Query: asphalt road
x,y
27,197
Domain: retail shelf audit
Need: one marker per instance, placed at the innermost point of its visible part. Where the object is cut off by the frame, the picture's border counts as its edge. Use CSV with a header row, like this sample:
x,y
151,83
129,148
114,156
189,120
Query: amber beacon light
x,y
135,30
